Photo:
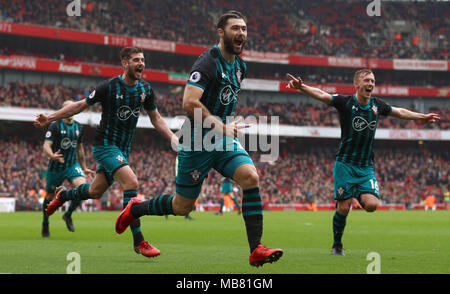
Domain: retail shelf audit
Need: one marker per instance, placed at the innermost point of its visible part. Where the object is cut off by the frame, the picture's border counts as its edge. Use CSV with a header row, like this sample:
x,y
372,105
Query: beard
x,y
229,45
132,74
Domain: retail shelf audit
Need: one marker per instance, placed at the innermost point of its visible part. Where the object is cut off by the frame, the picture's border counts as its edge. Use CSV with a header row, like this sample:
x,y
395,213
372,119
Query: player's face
x,y
235,36
365,85
134,67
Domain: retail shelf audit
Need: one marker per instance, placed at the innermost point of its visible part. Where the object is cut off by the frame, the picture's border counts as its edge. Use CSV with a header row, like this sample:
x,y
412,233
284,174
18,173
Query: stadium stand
x,y
309,28
312,28
51,96
404,177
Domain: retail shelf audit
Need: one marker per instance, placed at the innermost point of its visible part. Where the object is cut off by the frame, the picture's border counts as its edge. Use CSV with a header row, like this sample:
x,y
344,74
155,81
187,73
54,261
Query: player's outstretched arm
x,y
316,93
406,114
69,110
161,126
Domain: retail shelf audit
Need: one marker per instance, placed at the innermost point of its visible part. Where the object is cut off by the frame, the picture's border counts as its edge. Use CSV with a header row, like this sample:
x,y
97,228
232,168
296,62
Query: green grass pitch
x,y
408,242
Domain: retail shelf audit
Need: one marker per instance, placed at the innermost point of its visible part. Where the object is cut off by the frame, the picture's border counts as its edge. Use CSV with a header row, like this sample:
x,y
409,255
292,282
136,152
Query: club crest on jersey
x,y
375,110
340,191
195,176
120,158
143,95
238,75
77,133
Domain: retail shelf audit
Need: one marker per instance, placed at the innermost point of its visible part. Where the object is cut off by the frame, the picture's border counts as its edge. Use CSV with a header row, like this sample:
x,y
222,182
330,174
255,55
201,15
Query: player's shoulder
x,y
111,81
104,85
380,105
341,97
207,58
55,124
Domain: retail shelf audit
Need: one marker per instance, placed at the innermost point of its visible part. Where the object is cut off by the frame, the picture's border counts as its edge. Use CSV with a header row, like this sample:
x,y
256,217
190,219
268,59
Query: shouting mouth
x,y
238,42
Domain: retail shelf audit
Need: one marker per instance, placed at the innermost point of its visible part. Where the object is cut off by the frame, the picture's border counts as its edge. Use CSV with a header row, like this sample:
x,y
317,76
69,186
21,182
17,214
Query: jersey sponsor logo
x,y
66,143
125,112
92,95
227,95
360,124
195,77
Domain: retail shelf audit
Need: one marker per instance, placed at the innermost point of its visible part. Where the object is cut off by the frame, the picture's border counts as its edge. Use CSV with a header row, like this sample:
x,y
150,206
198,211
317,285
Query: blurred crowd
x,y
302,174
327,27
169,101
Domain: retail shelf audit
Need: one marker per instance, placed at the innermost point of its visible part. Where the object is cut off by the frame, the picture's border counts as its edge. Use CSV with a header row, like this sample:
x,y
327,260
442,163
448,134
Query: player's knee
x,y
343,210
371,207
343,207
96,192
251,179
182,206
182,210
131,184
370,204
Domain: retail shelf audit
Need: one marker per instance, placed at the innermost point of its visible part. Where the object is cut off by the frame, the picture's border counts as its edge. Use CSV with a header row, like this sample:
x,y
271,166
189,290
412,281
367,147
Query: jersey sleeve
x,y
149,102
99,93
338,101
52,133
203,71
383,107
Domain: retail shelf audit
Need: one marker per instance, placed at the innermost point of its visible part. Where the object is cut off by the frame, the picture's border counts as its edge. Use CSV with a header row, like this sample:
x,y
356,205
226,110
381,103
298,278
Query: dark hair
x,y
223,19
126,52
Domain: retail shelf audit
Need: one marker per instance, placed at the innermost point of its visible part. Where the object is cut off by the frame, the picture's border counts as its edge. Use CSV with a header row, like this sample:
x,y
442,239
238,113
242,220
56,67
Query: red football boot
x,y
147,250
262,255
56,202
126,218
